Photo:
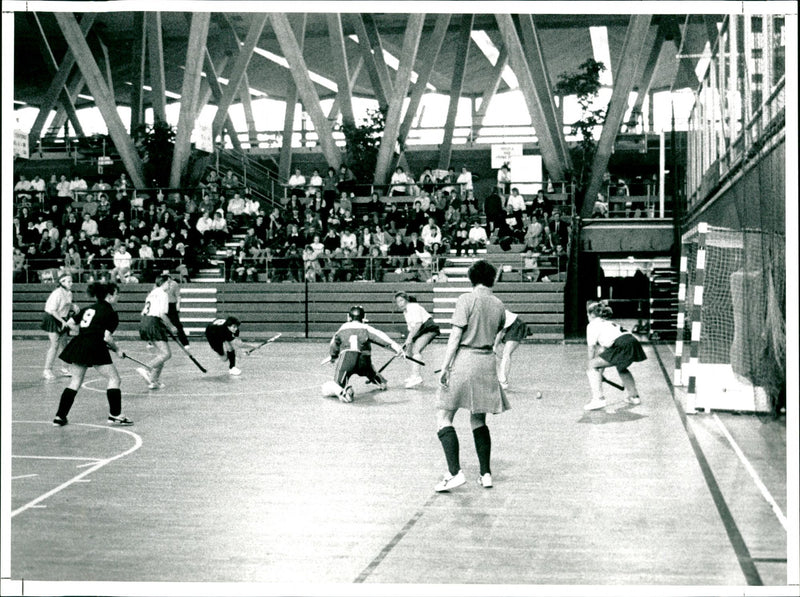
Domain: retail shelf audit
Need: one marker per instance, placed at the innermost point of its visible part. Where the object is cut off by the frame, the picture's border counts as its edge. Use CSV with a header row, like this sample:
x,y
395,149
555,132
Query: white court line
x,y
96,466
57,457
749,467
24,476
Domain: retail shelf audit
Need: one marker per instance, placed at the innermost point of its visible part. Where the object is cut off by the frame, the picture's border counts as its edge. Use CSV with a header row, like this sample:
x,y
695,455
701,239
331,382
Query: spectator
x,y
460,237
476,239
146,263
417,219
464,182
347,180
541,204
314,184
89,226
398,183
559,231
374,270
78,187
296,186
72,262
427,182
38,188
122,262
495,214
63,189
23,189
204,226
516,207
20,266
235,209
348,240
504,180
432,237
311,266
329,186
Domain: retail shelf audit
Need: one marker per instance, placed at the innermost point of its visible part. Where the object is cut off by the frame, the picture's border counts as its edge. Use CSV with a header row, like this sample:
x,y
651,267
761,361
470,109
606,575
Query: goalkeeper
x,y
351,349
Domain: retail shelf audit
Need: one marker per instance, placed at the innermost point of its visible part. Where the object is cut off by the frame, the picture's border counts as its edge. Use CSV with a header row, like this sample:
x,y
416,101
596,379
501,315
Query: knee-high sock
x,y
447,435
483,446
232,358
67,398
114,396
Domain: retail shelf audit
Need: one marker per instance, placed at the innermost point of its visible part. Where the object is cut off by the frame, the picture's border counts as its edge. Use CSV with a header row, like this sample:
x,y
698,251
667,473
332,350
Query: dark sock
x,y
447,435
232,358
67,398
483,446
114,396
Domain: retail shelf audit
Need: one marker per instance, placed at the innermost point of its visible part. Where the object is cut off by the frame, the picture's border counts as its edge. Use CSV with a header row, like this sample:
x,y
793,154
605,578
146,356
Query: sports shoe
x,y
504,385
187,347
234,371
633,400
144,373
413,381
156,385
149,345
485,480
451,482
382,386
346,395
119,421
595,404
48,375
60,421
65,372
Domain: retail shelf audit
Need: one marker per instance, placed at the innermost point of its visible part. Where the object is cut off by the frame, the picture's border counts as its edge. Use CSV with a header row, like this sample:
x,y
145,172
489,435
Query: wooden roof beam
x,y
632,48
305,87
155,47
103,98
411,41
285,161
190,90
459,68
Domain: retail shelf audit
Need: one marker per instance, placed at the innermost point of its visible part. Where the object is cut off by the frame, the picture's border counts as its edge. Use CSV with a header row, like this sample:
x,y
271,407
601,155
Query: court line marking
x,y
749,467
25,476
56,457
394,541
98,465
743,556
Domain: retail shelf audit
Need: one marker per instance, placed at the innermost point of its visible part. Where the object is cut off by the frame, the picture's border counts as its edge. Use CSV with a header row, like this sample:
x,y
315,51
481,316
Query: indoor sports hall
x,y
213,212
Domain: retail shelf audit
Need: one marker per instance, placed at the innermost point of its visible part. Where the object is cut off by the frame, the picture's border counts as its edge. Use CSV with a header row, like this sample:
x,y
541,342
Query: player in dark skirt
x,y
421,332
57,309
221,334
154,328
351,348
514,332
95,325
609,346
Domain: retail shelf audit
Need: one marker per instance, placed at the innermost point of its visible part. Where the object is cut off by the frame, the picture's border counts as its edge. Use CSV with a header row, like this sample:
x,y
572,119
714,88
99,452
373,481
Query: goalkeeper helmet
x,y
356,313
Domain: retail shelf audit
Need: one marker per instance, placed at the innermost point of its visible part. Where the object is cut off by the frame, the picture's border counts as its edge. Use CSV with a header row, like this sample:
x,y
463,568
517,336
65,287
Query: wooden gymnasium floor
x,y
259,479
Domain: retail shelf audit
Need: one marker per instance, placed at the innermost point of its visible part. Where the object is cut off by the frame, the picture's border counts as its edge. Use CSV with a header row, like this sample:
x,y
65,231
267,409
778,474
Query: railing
x,y
47,270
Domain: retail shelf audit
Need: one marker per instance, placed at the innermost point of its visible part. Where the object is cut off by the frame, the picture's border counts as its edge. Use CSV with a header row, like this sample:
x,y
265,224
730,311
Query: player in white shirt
x,y
421,332
154,328
609,346
514,331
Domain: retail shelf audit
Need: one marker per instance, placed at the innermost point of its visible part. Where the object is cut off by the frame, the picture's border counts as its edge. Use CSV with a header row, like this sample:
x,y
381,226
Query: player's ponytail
x,y
404,295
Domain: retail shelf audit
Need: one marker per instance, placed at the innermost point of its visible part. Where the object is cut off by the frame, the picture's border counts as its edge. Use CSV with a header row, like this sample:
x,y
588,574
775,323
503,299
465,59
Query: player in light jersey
x,y
57,309
421,332
153,328
609,346
351,348
513,332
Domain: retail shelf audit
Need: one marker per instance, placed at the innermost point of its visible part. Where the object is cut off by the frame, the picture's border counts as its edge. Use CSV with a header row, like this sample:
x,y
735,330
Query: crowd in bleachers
x,y
319,231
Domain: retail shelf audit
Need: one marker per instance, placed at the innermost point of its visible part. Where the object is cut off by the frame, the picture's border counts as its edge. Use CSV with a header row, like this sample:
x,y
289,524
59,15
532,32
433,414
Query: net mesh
x,y
743,311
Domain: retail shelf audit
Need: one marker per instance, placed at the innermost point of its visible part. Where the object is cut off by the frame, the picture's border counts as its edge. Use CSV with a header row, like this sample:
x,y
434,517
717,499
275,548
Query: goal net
x,y
733,354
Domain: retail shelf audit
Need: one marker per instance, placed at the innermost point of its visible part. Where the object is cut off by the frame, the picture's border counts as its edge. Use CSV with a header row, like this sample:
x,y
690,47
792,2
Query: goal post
x,y
731,340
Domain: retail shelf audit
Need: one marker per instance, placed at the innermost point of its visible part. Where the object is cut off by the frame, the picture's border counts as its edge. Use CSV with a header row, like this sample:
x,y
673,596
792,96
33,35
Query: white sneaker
x,y
144,373
48,375
156,385
65,372
485,480
451,482
346,395
633,400
413,381
595,404
234,371
504,385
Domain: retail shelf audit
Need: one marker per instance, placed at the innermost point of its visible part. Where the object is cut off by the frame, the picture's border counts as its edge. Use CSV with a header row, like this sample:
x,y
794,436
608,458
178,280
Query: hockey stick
x,y
613,384
129,357
188,354
252,350
386,364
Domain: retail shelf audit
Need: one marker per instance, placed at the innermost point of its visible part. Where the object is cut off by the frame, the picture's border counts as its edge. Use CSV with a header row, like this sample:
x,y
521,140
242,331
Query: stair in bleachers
x,y
663,323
